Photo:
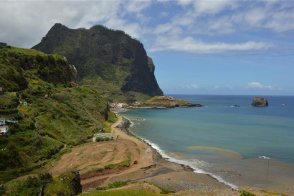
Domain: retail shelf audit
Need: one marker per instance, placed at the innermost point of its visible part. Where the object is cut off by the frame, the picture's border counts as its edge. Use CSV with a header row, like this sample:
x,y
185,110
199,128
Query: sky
x,y
240,47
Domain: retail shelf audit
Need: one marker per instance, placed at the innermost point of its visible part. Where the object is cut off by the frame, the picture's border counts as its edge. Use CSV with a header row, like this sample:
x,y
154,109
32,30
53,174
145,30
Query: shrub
x,y
117,184
246,193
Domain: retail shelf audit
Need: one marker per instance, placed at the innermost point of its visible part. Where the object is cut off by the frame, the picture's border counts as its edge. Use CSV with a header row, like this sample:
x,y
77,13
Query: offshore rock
x,y
259,102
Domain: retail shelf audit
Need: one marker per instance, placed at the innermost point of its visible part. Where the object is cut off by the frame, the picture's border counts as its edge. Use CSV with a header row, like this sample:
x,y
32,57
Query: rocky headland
x,y
165,102
157,102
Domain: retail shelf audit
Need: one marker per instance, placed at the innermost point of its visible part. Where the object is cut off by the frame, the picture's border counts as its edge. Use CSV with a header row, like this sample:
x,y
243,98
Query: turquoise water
x,y
220,135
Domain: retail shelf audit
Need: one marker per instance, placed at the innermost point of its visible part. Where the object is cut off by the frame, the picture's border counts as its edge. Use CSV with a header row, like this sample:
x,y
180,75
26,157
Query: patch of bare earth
x,y
99,161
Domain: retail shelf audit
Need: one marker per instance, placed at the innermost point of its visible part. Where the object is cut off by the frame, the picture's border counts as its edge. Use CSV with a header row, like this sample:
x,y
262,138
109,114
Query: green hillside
x,y
53,113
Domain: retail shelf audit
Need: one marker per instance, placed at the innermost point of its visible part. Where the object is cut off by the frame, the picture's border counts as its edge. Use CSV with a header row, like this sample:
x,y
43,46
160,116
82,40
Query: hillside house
x,y
23,103
3,45
4,129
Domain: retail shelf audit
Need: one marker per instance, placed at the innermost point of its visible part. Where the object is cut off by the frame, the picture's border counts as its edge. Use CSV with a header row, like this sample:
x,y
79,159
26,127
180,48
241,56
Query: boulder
x,y
259,102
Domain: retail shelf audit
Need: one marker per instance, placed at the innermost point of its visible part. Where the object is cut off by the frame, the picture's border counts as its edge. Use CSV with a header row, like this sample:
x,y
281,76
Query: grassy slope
x,y
56,117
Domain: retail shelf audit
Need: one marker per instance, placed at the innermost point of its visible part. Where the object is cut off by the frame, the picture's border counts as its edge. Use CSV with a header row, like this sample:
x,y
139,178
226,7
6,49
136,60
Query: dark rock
x,y
259,102
76,182
99,52
124,124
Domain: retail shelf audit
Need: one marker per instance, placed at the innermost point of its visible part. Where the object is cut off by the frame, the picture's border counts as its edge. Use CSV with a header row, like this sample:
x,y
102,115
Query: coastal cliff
x,y
108,59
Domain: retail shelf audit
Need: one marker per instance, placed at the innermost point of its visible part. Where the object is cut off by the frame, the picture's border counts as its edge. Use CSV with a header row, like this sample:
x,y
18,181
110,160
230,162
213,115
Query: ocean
x,y
228,139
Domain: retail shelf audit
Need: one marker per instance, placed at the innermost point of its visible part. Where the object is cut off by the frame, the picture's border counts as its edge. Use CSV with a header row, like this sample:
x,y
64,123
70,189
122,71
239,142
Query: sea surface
x,y
230,140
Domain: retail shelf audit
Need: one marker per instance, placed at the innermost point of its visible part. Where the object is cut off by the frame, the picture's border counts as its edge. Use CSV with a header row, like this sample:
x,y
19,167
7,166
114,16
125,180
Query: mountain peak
x,y
108,59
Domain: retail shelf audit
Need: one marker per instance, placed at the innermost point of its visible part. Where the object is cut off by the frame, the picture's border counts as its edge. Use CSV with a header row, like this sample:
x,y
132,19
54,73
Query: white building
x,y
4,130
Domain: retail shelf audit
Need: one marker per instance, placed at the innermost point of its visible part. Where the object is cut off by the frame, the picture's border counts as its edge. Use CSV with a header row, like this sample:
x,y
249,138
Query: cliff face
x,y
104,58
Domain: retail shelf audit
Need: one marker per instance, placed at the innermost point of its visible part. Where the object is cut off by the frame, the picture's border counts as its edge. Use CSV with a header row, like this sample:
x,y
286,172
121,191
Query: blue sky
x,y
198,46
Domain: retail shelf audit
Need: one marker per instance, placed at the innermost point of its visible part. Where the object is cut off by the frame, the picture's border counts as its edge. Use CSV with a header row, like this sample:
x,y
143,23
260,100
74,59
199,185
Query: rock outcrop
x,y
110,60
259,102
124,124
165,102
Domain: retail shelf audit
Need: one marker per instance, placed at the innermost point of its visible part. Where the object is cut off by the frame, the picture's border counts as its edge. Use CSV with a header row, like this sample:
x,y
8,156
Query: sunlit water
x,y
227,138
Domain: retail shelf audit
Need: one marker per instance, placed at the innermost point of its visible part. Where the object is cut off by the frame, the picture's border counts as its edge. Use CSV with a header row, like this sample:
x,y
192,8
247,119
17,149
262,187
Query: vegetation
x,y
125,163
246,193
31,185
14,62
117,184
45,184
65,184
53,114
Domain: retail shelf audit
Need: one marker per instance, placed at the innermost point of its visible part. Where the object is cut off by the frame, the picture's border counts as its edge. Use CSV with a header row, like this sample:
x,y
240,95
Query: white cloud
x,y
137,6
258,85
255,16
185,2
217,17
24,23
208,6
212,6
281,21
189,44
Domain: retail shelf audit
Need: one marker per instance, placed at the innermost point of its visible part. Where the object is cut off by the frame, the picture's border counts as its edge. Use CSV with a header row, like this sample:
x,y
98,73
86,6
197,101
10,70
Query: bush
x,y
29,186
117,184
246,193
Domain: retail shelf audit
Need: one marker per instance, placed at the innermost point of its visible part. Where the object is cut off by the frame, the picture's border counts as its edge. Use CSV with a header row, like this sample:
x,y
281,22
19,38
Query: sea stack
x,y
259,102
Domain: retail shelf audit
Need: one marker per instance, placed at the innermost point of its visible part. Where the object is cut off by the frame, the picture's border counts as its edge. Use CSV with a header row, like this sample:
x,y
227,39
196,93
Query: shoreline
x,y
182,163
283,188
135,160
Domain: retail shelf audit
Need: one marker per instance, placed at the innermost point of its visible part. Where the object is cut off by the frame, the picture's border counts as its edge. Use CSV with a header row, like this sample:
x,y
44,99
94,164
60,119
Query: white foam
x,y
133,120
132,123
264,157
189,164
